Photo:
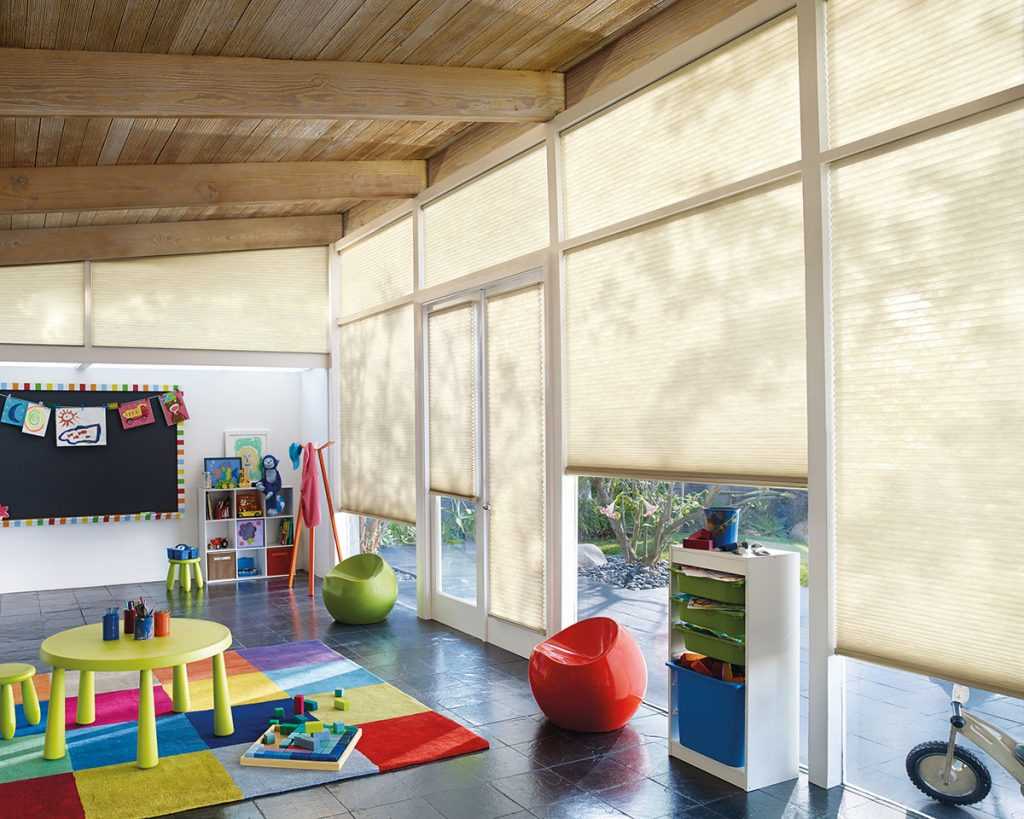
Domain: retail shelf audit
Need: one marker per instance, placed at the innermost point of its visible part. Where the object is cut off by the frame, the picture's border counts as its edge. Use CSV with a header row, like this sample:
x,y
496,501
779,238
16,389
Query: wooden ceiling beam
x,y
114,187
38,82
164,238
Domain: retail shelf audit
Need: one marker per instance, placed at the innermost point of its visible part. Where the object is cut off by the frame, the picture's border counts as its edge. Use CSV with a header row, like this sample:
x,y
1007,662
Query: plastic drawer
x,y
711,715
734,623
719,590
723,650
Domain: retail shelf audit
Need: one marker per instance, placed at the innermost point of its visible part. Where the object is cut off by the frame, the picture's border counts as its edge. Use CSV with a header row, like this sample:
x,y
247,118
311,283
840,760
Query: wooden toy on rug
x,y
302,741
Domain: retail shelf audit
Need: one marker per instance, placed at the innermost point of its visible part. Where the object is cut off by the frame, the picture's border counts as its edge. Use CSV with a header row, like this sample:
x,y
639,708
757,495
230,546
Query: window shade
x,y
377,269
452,344
42,304
723,118
378,415
515,457
684,346
499,216
928,306
894,62
267,300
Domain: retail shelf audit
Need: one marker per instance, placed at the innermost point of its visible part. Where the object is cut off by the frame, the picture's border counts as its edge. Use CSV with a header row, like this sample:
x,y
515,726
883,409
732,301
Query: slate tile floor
x,y
532,769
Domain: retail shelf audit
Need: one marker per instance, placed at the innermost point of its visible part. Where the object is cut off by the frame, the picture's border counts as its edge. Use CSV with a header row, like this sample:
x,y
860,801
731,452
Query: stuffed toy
x,y
271,485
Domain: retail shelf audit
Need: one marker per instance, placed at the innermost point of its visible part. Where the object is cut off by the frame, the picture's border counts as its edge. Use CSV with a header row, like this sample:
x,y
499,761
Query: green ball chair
x,y
360,590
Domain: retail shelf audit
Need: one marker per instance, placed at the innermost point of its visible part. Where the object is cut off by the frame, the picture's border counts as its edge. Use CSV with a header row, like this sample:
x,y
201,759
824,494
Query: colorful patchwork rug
x,y
98,777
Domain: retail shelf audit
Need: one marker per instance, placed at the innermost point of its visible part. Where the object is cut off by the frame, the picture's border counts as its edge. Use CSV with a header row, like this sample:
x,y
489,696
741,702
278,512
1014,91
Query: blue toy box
x,y
182,552
711,715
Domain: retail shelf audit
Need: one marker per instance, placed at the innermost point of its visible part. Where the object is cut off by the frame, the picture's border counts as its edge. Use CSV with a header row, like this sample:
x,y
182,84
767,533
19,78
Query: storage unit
x,y
258,545
746,733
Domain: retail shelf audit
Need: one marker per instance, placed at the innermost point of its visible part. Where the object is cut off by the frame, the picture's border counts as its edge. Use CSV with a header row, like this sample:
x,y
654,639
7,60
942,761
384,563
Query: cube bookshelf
x,y
770,698
258,544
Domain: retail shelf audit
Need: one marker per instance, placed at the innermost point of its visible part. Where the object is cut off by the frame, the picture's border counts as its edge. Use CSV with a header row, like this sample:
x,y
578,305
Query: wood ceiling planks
x,y
529,34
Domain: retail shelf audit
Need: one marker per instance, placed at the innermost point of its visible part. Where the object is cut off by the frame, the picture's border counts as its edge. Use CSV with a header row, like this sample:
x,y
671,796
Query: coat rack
x,y
312,531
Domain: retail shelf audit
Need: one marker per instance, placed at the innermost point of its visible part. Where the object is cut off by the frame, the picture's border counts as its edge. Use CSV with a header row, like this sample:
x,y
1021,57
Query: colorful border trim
x,y
131,517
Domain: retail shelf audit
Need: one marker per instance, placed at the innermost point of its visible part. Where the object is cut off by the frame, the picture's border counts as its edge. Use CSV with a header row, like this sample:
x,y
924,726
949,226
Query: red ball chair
x,y
589,677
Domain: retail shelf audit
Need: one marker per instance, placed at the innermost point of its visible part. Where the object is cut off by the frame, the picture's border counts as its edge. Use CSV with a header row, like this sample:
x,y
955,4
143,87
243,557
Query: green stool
x,y
184,569
361,590
11,673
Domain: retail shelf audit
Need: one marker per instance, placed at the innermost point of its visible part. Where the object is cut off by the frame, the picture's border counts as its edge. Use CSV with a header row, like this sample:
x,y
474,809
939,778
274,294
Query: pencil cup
x,y
162,623
111,626
129,621
144,627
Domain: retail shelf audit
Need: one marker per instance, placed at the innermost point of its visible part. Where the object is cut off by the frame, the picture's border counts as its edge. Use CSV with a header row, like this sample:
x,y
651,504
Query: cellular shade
x,y
264,300
723,118
42,304
378,415
928,306
452,379
499,216
377,269
515,457
897,61
684,346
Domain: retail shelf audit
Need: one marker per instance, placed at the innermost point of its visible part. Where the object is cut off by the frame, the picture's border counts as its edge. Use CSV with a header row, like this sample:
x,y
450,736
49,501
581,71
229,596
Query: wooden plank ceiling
x,y
510,34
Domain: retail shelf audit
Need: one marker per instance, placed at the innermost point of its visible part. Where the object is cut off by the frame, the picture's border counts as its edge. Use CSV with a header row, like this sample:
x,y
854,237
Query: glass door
x,y
455,405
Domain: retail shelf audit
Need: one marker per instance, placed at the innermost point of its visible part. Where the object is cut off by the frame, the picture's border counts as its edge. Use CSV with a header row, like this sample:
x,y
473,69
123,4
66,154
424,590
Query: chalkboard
x,y
136,473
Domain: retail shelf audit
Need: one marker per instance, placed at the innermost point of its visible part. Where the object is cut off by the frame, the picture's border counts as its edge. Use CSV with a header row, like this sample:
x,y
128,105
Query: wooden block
x,y
340,704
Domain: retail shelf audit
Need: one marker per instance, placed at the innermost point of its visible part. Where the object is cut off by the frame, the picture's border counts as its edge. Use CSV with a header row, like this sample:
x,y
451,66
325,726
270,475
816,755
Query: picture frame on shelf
x,y
250,446
224,472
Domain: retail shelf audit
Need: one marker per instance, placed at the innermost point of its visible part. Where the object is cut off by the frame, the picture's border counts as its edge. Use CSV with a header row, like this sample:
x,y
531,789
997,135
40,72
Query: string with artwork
x,y
87,426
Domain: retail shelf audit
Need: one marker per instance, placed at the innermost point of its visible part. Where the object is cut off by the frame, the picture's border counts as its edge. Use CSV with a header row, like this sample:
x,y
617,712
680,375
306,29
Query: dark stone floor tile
x,y
695,784
556,749
646,798
756,805
481,802
597,774
815,801
577,806
417,808
236,810
536,788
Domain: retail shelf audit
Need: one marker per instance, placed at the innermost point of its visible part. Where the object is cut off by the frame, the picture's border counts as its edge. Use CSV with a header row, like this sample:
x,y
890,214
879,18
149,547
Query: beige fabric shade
x,y
494,218
43,304
517,557
453,397
928,303
684,346
265,300
378,269
378,415
723,118
891,63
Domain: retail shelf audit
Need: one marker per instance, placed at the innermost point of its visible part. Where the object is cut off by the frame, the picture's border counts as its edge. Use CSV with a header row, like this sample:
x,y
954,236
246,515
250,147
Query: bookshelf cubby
x,y
258,545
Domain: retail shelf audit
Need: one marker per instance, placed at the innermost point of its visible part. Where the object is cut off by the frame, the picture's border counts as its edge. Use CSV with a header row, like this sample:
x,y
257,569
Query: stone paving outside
x,y
888,712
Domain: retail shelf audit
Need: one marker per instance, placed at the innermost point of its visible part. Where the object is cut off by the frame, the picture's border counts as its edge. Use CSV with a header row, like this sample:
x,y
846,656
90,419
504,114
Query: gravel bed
x,y
635,576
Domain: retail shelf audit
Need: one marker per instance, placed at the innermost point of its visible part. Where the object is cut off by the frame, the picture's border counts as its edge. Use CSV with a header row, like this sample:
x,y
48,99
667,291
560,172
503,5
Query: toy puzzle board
x,y
329,753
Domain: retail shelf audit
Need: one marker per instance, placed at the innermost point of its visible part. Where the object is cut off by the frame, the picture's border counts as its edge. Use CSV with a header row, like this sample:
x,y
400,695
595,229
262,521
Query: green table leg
x,y
170,576
53,746
199,573
7,711
146,753
30,702
185,575
182,700
86,713
223,724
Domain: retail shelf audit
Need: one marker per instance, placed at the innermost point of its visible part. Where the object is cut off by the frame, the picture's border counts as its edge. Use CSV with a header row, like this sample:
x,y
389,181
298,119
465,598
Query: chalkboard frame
x,y
132,391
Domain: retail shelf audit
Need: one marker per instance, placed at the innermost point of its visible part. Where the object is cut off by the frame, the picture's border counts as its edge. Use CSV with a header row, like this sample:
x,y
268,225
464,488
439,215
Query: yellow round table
x,y
83,649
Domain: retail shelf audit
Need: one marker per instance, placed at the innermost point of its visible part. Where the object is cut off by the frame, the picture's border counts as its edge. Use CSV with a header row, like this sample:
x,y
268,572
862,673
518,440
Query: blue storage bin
x,y
711,715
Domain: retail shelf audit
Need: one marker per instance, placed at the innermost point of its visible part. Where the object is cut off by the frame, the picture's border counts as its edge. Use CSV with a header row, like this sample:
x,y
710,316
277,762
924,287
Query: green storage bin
x,y
734,623
715,647
719,590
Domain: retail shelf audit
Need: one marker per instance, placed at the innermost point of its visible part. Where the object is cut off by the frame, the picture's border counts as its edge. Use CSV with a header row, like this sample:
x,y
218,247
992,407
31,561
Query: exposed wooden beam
x,y
164,239
112,187
36,82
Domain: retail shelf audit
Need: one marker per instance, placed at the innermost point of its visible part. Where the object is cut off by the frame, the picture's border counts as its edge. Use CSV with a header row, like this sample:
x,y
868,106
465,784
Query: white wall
x,y
292,406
